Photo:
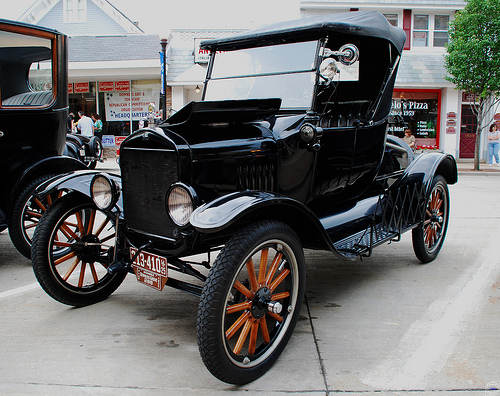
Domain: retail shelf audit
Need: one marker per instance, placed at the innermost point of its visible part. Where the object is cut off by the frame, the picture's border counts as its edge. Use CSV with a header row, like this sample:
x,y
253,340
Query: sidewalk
x,y
466,167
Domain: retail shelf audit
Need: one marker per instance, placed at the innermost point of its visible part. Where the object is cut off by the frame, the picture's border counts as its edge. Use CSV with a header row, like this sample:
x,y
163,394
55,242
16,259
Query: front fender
x,y
75,181
243,207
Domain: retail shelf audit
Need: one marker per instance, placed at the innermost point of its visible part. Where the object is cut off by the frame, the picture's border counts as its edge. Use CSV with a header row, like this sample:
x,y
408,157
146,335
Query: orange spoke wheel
x,y
72,248
26,213
251,302
428,237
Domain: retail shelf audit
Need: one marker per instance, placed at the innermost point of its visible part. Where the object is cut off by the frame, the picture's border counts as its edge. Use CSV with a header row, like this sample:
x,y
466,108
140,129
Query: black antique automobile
x,y
33,114
287,150
86,149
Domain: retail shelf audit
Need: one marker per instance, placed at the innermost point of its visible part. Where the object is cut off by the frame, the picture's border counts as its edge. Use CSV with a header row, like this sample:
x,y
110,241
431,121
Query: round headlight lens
x,y
328,69
180,205
102,191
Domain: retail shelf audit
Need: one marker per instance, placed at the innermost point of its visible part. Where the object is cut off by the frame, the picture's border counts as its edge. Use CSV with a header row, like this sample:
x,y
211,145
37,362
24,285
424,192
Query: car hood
x,y
225,111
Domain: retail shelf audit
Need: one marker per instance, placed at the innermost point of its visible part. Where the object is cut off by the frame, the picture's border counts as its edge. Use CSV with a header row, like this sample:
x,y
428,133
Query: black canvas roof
x,y
360,23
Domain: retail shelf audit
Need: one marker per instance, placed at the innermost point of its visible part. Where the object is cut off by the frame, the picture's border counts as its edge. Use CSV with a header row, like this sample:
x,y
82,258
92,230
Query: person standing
x,y
85,125
97,125
71,123
493,144
409,139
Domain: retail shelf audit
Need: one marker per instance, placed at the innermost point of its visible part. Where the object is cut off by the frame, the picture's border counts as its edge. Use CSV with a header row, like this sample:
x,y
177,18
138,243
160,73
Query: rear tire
x,y
428,237
72,248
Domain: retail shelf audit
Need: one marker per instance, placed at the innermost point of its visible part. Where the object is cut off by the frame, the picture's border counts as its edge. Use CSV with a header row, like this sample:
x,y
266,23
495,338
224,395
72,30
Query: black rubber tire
x,y
95,147
267,333
67,225
25,215
428,237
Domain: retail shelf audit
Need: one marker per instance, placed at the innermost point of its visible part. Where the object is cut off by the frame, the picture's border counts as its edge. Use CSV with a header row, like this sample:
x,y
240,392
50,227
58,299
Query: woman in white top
x,y
493,144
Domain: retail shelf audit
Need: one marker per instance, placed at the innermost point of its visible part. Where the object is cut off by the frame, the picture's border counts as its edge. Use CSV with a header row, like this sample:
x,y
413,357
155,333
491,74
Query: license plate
x,y
150,269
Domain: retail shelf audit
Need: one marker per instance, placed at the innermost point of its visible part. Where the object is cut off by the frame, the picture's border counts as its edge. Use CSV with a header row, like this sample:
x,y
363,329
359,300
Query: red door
x,y
468,127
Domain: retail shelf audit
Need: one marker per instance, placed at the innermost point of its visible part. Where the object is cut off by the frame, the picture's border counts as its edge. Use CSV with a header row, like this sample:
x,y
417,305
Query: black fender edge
x,y
244,207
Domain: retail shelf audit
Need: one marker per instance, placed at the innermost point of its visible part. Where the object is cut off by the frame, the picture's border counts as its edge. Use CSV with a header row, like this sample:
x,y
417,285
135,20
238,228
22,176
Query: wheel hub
x,y
88,248
262,303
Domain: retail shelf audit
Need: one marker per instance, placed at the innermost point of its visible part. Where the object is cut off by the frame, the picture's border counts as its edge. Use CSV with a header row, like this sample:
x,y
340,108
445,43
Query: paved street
x,y
384,325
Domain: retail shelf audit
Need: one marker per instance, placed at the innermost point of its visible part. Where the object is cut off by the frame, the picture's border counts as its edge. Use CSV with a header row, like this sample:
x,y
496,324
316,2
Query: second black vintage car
x,y
33,117
287,150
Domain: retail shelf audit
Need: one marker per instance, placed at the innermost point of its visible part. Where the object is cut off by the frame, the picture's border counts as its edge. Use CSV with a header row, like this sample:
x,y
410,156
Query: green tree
x,y
473,59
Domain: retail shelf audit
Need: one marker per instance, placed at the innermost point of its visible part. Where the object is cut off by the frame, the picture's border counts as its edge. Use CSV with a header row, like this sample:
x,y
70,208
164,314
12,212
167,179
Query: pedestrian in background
x,y
409,138
71,123
85,125
493,144
97,125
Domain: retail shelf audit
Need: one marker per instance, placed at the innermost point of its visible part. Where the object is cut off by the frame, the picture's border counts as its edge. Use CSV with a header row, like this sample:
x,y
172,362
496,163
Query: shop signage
x,y
450,130
122,85
108,141
118,108
119,140
106,86
451,123
82,87
451,114
70,88
200,55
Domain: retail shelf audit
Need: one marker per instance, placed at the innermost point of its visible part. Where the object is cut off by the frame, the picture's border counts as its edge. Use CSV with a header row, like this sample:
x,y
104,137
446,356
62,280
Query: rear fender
x,y
76,181
407,197
235,210
426,166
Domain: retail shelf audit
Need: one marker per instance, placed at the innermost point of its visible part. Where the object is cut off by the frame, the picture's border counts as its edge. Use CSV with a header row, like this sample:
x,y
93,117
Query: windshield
x,y
279,71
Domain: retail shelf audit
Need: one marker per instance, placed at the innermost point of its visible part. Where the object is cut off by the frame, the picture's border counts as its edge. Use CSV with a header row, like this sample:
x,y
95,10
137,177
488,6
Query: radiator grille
x,y
147,175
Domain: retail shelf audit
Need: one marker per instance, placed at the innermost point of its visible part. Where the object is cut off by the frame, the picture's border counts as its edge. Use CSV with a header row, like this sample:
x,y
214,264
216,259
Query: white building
x,y
440,115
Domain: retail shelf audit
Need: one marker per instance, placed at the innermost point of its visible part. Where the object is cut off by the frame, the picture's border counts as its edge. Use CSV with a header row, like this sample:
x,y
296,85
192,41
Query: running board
x,y
396,212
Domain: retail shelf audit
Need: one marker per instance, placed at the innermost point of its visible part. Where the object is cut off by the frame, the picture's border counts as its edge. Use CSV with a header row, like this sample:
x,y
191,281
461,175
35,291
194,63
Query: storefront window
x,y
120,104
420,112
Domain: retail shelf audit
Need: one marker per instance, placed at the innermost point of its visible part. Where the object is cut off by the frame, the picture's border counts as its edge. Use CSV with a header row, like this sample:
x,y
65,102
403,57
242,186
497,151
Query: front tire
x,y
428,237
240,331
72,248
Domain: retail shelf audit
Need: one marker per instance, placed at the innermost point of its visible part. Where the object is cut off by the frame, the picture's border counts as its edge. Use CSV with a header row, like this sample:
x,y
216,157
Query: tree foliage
x,y
473,58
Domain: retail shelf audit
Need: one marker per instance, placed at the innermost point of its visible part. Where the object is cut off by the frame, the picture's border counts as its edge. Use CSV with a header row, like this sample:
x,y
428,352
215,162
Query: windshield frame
x,y
312,71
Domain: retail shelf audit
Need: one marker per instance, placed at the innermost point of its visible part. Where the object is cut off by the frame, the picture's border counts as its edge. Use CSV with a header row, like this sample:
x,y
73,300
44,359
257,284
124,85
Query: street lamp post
x,y
163,91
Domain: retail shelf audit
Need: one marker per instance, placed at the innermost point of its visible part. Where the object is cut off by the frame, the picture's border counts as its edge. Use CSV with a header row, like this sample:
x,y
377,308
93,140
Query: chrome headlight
x,y
104,191
328,69
180,204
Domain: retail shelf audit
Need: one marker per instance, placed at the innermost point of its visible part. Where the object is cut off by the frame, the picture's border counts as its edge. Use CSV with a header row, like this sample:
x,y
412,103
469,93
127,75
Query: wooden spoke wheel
x,y
72,248
428,238
251,302
26,213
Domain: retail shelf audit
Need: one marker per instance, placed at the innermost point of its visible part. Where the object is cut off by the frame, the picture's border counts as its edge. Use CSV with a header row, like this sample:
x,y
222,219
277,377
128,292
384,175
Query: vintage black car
x,y
288,150
33,114
86,149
